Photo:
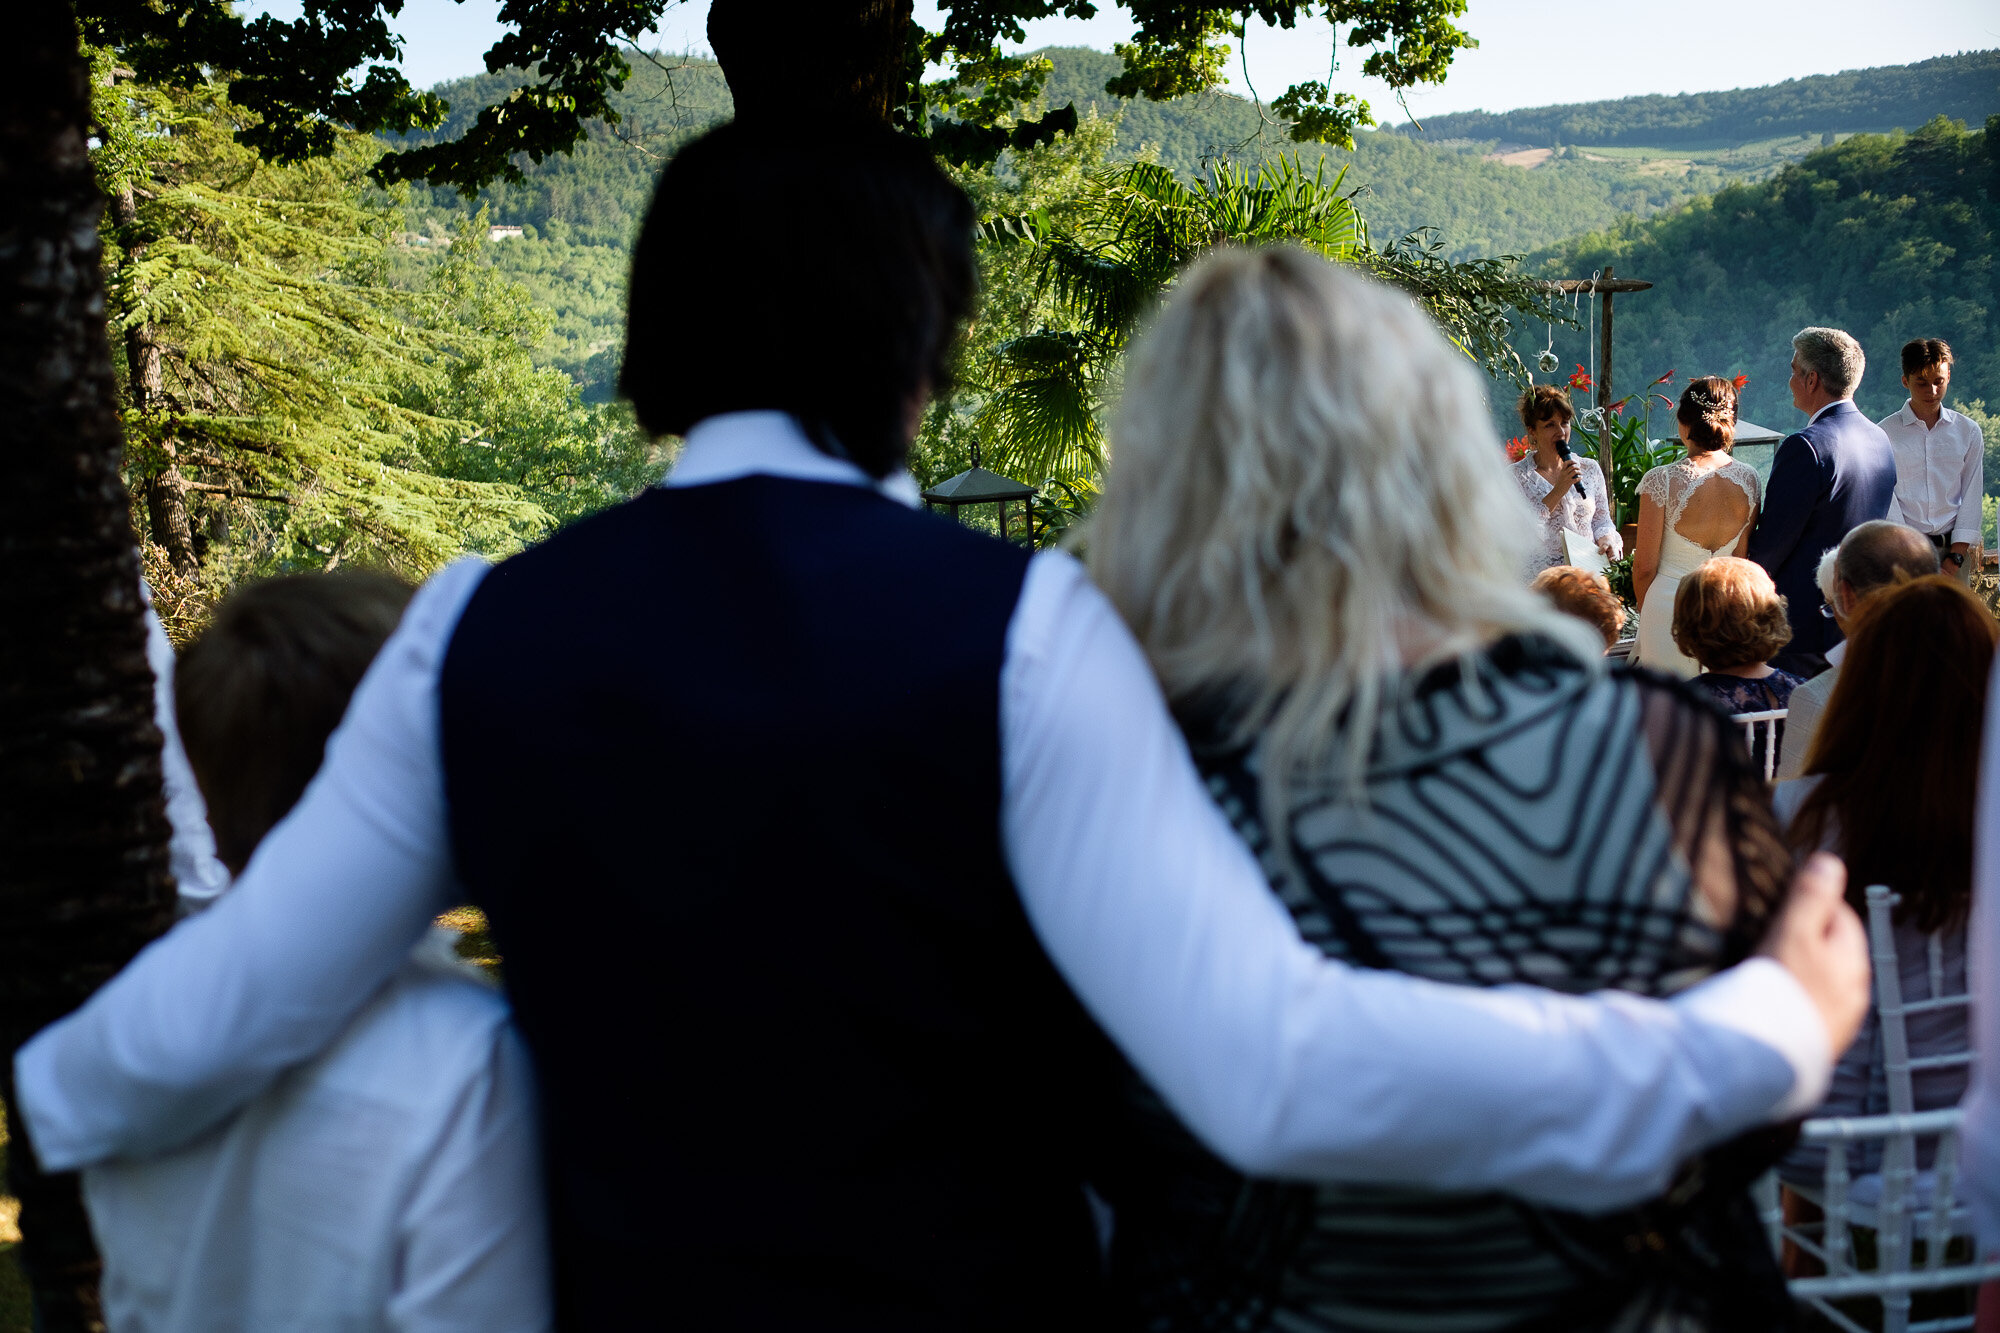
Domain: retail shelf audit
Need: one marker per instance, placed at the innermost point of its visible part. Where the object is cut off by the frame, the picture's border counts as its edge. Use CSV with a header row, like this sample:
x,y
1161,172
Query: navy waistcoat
x,y
723,768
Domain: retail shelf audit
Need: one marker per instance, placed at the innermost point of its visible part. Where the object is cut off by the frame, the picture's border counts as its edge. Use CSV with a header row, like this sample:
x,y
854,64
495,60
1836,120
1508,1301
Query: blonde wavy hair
x,y
1306,498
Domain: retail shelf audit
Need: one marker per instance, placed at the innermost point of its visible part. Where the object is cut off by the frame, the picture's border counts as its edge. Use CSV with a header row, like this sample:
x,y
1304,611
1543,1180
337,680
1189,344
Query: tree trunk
x,y
84,881
166,491
803,60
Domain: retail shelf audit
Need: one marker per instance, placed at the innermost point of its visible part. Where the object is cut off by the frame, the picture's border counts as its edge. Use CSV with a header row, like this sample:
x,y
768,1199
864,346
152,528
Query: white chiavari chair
x,y
1901,1204
1767,723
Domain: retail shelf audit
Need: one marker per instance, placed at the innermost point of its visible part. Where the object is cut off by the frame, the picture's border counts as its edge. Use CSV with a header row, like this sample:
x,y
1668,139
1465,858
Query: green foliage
x,y
1626,426
1889,237
321,413
1482,205
1475,302
1105,254
1881,99
1618,573
297,78
1106,258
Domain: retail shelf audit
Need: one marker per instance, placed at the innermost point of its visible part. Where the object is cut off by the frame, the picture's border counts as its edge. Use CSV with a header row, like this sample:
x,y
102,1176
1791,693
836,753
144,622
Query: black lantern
x,y
977,486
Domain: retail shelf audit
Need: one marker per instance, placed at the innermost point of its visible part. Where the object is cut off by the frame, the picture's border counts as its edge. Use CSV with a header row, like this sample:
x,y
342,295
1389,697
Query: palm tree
x,y
1110,257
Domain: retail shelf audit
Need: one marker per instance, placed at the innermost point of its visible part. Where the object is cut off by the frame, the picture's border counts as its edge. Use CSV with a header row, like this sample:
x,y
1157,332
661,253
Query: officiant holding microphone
x,y
1567,491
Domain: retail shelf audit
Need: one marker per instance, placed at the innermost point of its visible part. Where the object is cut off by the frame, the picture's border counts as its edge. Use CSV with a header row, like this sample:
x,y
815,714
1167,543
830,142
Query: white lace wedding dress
x,y
1671,486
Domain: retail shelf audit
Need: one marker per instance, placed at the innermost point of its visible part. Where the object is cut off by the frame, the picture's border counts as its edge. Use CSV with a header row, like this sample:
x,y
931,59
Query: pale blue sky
x,y
1532,52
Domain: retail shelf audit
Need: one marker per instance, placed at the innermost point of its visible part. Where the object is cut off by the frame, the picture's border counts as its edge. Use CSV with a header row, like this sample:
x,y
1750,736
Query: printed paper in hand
x,y
1582,552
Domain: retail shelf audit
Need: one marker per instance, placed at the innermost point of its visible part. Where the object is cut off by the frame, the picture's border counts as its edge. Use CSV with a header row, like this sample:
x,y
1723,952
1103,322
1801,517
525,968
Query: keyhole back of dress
x,y
1714,514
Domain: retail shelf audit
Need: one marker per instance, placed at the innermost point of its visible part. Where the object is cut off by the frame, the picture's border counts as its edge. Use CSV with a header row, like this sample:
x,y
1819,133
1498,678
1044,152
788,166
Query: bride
x,y
1689,511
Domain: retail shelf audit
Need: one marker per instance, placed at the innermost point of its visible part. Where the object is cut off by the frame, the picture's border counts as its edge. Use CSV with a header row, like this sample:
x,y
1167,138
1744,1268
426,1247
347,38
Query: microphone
x,y
1562,452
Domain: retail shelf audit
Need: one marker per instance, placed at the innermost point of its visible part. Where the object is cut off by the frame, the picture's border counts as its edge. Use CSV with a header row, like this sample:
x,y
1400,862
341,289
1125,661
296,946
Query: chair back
x,y
1906,1210
1894,1011
1902,1205
1766,722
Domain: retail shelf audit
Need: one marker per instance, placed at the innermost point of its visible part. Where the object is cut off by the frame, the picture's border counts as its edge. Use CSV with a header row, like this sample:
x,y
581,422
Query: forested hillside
x,y
1965,87
580,211
1481,205
1738,271
1890,237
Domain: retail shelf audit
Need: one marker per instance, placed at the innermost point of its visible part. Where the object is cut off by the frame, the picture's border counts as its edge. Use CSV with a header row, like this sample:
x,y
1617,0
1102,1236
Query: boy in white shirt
x,y
392,1183
1940,461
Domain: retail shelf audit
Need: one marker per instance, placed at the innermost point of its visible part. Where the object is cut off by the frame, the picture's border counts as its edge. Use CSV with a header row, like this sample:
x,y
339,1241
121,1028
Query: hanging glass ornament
x,y
1547,361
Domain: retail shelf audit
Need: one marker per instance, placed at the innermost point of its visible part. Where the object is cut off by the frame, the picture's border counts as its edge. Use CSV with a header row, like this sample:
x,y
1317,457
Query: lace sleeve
x,y
1600,502
1746,476
1654,486
1719,812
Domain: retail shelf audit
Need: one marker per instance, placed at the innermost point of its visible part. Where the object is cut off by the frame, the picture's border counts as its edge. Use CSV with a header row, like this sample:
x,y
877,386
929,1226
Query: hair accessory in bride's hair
x,y
1708,410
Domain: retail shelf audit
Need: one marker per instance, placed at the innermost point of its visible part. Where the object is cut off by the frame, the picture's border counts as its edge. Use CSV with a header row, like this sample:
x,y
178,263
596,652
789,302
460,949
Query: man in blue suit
x,y
1834,475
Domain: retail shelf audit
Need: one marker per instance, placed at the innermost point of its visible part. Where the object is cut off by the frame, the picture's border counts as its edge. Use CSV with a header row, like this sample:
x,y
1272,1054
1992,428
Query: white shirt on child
x,y
393,1183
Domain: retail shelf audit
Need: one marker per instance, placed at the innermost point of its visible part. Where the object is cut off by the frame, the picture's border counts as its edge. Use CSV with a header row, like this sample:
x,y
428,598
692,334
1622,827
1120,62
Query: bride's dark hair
x,y
1708,410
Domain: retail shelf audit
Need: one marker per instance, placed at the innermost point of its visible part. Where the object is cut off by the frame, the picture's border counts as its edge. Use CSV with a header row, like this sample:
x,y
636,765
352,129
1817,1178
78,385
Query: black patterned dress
x,y
1525,822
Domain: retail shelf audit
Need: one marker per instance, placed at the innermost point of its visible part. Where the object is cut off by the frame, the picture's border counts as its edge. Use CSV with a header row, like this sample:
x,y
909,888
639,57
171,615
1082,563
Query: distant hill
x,y
1480,204
1964,87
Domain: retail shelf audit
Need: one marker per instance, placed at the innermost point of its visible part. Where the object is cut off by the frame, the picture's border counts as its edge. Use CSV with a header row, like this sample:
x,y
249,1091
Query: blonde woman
x,y
1314,535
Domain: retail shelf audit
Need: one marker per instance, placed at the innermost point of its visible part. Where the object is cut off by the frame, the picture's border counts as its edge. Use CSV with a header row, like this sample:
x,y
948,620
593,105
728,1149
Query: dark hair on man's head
x,y
1901,812
1580,593
259,692
1539,402
1708,409
1922,353
1878,554
1728,613
817,270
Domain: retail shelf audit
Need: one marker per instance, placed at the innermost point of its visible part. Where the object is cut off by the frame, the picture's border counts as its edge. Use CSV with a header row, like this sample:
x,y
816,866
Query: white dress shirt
x,y
1803,711
394,1183
1940,473
198,875
1283,1061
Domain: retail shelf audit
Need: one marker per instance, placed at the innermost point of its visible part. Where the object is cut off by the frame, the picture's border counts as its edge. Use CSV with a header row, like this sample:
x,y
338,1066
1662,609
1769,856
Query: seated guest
x,y
1877,555
1565,490
393,1182
1425,755
1729,618
1901,814
1580,593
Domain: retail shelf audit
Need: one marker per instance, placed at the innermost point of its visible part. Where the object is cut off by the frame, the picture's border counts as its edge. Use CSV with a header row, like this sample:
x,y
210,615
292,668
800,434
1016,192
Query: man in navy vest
x,y
1828,479
827,842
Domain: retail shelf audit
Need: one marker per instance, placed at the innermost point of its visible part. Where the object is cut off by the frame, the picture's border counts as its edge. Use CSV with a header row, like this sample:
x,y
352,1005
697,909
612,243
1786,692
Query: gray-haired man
x,y
1827,479
1875,556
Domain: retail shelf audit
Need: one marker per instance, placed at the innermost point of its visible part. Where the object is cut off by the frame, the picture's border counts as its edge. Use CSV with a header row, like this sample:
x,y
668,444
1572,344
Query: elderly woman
x,y
1312,532
1580,593
1567,491
1729,617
